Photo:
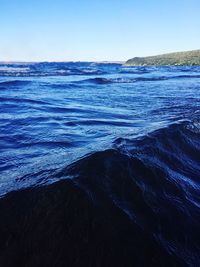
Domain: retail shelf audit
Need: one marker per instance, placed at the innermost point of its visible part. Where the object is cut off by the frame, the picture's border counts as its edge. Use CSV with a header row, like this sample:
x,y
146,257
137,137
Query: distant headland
x,y
170,59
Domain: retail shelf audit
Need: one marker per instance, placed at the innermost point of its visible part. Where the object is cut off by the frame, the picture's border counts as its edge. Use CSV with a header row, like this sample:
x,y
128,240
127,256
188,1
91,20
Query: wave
x,y
97,80
69,71
120,80
185,76
142,197
22,100
154,182
14,83
48,69
135,70
134,80
53,73
100,80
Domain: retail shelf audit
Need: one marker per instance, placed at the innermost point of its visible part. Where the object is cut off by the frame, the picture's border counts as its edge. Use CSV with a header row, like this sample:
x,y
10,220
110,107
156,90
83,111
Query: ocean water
x,y
127,134
52,114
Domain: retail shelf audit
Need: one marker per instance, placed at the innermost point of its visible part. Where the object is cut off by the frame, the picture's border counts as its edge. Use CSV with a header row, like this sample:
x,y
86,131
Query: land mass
x,y
170,59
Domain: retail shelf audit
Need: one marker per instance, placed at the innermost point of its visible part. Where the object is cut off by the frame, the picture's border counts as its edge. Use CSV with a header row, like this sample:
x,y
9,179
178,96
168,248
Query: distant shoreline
x,y
188,58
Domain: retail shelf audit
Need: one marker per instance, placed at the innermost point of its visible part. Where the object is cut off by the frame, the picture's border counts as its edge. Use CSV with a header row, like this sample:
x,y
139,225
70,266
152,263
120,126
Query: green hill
x,y
171,59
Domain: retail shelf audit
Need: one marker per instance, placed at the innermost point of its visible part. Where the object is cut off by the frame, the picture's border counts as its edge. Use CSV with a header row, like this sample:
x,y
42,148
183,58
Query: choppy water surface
x,y
54,113
128,137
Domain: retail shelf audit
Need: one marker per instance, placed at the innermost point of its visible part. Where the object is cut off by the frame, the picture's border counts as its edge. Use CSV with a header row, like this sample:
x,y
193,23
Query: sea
x,y
141,125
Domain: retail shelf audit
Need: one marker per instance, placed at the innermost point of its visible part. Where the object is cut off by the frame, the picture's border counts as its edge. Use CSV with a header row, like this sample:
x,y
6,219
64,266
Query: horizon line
x,y
85,61
64,61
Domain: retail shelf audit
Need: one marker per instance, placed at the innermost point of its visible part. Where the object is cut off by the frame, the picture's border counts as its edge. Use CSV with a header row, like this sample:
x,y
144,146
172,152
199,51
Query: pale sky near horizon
x,y
91,30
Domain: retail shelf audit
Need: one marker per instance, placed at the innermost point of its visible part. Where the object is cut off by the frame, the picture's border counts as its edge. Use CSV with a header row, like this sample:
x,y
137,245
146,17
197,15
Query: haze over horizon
x,y
96,31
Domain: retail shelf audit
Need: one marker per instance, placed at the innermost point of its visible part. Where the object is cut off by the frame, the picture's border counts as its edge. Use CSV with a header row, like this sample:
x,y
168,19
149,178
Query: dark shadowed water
x,y
132,134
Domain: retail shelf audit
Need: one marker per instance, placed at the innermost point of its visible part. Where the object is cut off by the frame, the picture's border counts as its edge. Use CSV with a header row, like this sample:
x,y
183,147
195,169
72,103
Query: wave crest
x,y
154,181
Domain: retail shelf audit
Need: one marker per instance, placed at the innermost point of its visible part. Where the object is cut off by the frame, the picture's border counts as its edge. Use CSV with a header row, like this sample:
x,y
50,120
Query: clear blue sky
x,y
62,30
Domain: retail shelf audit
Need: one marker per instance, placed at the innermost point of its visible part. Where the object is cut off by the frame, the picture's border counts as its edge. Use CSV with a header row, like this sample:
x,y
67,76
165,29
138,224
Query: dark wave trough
x,y
137,204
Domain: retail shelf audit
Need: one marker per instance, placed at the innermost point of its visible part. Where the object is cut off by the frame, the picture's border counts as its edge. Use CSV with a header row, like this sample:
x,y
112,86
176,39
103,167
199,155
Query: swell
x,y
22,100
14,83
99,80
137,204
154,182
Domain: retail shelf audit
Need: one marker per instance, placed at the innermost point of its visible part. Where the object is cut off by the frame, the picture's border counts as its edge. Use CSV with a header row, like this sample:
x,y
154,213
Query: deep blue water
x,y
129,137
51,114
